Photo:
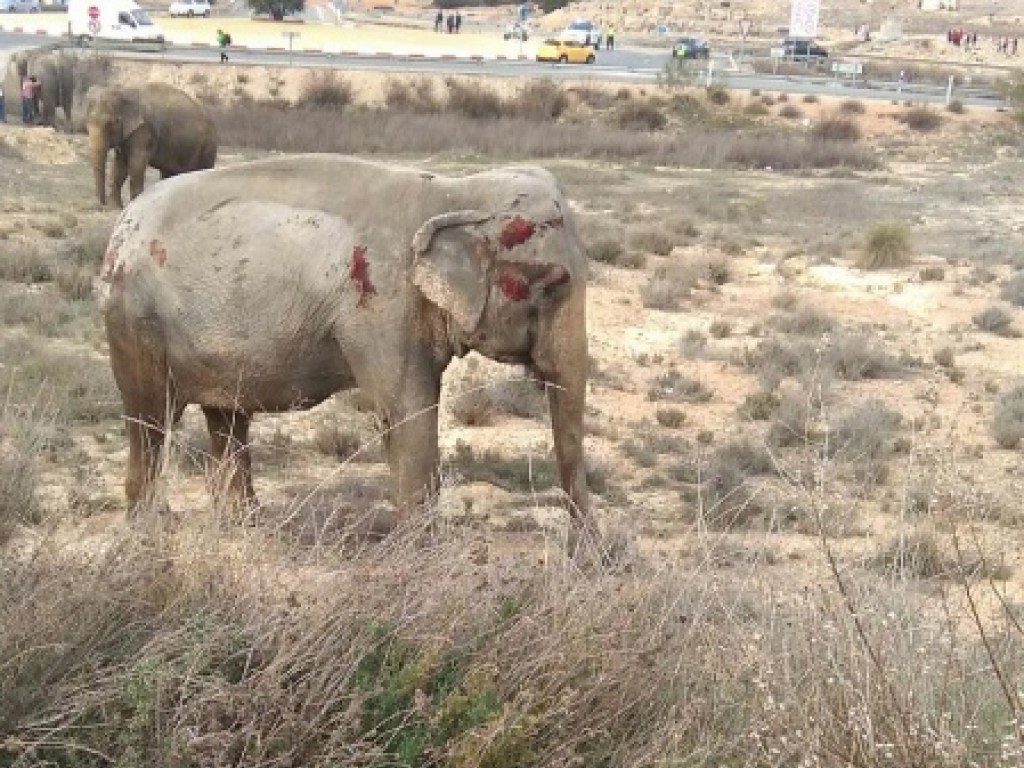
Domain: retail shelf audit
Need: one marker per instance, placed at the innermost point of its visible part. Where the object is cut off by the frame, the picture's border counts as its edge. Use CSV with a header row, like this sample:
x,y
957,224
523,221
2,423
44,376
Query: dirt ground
x,y
786,246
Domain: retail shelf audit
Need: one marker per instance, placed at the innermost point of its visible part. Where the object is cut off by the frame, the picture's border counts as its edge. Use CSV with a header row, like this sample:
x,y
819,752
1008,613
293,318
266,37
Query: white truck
x,y
117,20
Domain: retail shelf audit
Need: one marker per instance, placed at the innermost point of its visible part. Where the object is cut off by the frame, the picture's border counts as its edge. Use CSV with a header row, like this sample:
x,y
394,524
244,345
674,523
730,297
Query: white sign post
x,y
291,41
803,18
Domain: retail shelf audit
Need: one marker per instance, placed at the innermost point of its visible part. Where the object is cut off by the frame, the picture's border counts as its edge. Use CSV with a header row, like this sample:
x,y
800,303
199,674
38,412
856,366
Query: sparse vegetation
x,y
997,320
921,119
887,246
1013,290
326,89
791,112
836,128
1008,418
640,116
852,107
674,386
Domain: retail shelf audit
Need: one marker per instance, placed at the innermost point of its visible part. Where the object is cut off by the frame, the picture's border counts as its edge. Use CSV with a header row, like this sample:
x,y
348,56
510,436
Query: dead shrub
x,y
332,440
718,96
852,107
1012,290
676,387
791,112
887,246
654,240
805,320
810,98
854,356
640,116
793,421
997,320
23,438
921,119
931,274
325,89
23,262
837,129
539,100
672,418
475,101
915,553
956,107
611,251
756,109
865,437
418,96
668,287
759,406
1007,425
727,494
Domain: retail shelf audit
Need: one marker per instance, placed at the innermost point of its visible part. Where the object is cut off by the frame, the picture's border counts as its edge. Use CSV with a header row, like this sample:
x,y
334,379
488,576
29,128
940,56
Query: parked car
x,y
19,6
517,31
190,8
691,48
565,51
803,49
583,31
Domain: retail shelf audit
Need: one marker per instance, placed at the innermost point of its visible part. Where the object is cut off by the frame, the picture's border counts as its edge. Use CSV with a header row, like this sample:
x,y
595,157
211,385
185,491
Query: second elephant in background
x,y
156,125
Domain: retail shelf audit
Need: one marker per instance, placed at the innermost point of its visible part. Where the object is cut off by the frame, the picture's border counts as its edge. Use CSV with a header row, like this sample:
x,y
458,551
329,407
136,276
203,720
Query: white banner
x,y
803,18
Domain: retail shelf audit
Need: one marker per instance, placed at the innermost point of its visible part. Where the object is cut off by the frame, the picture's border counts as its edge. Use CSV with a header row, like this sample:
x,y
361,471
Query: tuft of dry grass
x,y
640,116
24,431
887,246
676,387
852,107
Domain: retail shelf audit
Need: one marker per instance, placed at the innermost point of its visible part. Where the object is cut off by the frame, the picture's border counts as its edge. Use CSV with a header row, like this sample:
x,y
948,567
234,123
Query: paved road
x,y
626,65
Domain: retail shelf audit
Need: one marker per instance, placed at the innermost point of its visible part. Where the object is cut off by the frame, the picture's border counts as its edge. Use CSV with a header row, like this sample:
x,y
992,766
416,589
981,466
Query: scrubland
x,y
805,440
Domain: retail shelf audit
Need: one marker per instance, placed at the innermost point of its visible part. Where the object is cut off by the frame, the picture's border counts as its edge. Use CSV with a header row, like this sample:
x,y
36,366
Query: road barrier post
x,y
949,90
291,39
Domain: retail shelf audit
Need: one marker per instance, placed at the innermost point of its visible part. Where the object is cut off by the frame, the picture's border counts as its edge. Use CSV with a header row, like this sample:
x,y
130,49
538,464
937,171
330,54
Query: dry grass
x,y
1008,418
1012,290
24,433
837,128
361,131
921,119
887,246
997,320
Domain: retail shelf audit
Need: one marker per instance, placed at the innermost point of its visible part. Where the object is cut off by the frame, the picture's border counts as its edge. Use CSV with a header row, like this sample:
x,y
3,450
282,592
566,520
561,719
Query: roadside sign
x,y
848,67
94,11
94,26
777,53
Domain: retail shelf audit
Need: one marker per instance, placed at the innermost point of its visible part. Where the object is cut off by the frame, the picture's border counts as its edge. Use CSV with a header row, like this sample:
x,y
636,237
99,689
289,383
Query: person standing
x,y
451,22
223,40
27,90
438,20
458,22
609,43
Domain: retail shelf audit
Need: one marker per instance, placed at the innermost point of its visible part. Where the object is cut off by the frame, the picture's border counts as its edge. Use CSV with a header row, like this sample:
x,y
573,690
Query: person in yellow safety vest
x,y
610,38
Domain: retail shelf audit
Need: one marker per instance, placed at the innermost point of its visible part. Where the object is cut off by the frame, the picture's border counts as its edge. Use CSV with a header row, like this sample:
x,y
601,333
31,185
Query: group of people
x,y
969,41
453,20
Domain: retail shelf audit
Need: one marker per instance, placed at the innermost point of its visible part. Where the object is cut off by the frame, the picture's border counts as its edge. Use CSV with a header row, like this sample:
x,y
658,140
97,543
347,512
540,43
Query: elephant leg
x,y
117,177
229,439
411,444
137,164
145,444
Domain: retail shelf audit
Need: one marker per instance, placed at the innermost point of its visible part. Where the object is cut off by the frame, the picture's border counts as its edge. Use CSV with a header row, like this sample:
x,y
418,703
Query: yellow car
x,y
565,51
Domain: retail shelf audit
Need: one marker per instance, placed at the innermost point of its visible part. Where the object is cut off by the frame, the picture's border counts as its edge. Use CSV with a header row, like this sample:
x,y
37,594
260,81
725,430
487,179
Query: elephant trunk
x,y
98,153
562,361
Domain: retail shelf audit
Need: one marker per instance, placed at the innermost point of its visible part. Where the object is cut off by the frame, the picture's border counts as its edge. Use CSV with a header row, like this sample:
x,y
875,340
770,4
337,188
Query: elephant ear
x,y
450,266
129,111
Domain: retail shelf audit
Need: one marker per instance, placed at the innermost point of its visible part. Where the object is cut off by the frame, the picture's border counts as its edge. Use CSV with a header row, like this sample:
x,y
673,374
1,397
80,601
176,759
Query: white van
x,y
121,20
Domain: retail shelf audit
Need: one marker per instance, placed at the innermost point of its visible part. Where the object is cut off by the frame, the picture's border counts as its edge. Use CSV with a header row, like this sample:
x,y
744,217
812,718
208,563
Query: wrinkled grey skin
x,y
156,125
271,285
56,74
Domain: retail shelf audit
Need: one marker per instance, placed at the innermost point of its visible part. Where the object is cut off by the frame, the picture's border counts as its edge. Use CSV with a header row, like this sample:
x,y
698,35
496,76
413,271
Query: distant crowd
x,y
969,41
453,20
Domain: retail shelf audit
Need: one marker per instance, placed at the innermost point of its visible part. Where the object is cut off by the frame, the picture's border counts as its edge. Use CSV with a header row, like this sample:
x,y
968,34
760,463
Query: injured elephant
x,y
272,285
